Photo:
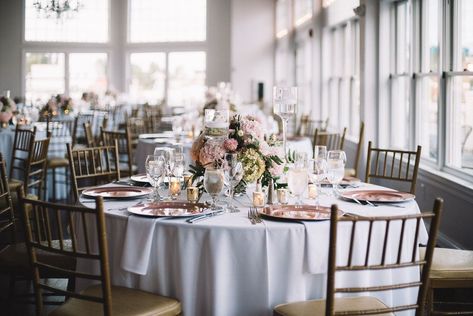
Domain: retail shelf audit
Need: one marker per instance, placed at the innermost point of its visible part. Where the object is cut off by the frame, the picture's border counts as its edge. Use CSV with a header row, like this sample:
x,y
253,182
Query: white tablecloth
x,y
226,266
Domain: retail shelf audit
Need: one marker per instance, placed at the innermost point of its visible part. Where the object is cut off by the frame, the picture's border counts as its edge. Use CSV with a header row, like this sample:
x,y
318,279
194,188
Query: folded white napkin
x,y
317,236
138,241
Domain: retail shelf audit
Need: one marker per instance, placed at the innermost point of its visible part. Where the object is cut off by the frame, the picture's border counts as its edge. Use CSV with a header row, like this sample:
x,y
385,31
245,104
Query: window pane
x,y
333,101
186,78
400,92
459,137
167,21
282,18
428,120
431,46
148,74
89,24
304,75
303,11
87,73
44,76
402,38
466,35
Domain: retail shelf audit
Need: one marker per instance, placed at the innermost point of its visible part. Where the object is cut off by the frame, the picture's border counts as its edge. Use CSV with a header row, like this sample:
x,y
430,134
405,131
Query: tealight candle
x,y
312,191
258,199
283,196
192,194
174,188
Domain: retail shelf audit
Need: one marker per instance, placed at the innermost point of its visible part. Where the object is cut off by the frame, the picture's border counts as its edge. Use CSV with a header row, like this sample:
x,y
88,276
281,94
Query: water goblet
x,y
213,184
320,152
284,106
154,170
318,172
233,176
297,180
336,160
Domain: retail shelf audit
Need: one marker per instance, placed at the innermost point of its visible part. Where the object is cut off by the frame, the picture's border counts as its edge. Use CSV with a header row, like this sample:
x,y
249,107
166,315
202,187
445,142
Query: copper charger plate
x,y
168,209
141,178
117,192
346,181
298,212
380,196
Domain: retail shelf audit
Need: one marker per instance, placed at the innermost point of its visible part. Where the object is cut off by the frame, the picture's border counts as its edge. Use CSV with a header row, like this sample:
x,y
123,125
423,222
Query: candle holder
x,y
283,196
174,188
192,194
187,180
312,191
258,199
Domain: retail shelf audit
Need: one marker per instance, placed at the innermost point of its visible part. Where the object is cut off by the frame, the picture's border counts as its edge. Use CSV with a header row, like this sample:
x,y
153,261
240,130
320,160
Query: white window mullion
x,y
66,74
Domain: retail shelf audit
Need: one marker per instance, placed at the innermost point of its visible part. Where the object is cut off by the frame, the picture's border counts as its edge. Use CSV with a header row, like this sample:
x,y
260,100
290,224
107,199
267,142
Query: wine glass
x,y
155,168
336,160
233,175
284,106
216,123
177,127
318,172
213,184
297,179
320,152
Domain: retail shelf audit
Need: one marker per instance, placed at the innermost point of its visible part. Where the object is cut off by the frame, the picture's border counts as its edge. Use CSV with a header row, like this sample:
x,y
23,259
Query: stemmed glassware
x,y
216,123
233,175
214,180
318,172
320,152
336,160
284,106
298,177
155,169
168,155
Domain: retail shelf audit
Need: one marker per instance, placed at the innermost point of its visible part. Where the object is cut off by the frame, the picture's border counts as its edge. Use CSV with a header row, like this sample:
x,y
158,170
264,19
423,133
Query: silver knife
x,y
205,216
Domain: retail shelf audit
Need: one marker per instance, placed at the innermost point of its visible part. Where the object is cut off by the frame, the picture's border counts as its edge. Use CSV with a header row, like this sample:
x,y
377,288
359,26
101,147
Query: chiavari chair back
x,y
393,164
35,182
123,139
7,216
354,172
363,234
89,135
92,166
308,126
22,146
333,141
85,227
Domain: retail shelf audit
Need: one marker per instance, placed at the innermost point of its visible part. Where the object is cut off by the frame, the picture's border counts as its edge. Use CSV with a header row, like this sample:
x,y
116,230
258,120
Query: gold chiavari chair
x,y
89,135
368,305
22,147
123,139
62,131
333,141
392,164
92,166
82,118
353,172
14,261
100,299
451,269
136,126
307,126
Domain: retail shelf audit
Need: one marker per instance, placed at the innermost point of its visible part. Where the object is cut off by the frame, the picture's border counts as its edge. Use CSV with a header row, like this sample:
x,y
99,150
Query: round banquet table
x,y
224,265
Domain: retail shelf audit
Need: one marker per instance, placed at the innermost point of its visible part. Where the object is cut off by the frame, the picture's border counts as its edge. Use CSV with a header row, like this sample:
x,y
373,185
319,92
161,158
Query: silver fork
x,y
250,217
256,216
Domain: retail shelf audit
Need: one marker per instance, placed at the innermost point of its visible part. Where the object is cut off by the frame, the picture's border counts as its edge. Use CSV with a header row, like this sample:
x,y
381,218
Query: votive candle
x,y
312,191
174,188
187,180
258,199
283,196
192,194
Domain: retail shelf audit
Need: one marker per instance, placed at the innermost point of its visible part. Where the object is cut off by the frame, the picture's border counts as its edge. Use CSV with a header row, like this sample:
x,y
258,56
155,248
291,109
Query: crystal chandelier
x,y
57,7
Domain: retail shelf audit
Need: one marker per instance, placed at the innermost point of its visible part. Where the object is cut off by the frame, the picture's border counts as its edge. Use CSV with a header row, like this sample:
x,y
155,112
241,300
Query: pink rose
x,y
211,152
230,144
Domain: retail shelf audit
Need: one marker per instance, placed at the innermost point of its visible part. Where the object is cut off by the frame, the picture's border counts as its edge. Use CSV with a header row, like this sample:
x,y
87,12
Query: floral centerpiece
x,y
6,112
56,105
261,158
50,108
65,104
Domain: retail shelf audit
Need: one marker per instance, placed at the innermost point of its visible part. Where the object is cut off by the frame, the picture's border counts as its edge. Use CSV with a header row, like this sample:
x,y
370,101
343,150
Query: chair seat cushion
x,y
317,307
125,301
451,263
16,257
58,162
14,184
350,172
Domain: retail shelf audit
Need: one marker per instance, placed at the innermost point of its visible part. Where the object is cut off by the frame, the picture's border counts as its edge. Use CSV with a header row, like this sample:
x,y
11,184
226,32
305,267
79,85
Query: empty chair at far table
x,y
354,172
307,125
333,140
92,166
123,139
98,299
369,305
392,164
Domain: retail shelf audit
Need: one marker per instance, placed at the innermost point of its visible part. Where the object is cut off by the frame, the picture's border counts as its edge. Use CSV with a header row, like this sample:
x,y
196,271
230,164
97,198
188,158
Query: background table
x,y
226,266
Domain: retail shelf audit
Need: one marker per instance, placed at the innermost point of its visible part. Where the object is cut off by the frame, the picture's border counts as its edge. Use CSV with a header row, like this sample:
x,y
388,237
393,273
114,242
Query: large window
x,y
400,74
302,11
167,21
148,76
459,84
342,87
46,74
283,14
88,25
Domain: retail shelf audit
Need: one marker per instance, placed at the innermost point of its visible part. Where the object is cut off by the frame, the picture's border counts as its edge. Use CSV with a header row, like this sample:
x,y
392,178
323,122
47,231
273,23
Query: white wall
x,y
252,47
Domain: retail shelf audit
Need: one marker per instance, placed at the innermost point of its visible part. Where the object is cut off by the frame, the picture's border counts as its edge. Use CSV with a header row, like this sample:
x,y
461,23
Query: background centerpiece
x,y
261,155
